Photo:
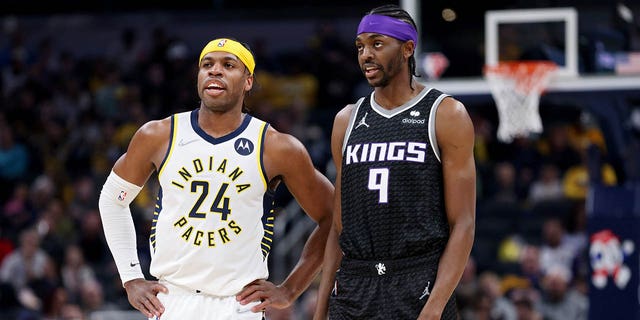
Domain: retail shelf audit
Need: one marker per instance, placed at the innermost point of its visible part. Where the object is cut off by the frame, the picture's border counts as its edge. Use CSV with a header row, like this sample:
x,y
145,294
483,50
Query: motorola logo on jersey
x,y
243,146
385,151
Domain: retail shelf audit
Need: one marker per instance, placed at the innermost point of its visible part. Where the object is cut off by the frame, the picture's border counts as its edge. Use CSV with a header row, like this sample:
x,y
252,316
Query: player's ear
x,y
408,47
249,82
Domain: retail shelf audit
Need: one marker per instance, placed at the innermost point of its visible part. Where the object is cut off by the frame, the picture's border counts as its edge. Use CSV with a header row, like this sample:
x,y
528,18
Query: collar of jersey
x,y
407,105
231,135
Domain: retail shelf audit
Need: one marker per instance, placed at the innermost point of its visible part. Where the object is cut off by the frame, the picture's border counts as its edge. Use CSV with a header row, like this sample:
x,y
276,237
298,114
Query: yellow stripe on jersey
x,y
172,142
268,232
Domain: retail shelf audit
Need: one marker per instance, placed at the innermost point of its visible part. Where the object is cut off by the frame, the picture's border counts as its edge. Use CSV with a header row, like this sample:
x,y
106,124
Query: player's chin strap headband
x,y
233,47
388,26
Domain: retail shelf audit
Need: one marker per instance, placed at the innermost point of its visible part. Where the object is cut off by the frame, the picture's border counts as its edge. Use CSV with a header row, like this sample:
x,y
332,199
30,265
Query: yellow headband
x,y
230,46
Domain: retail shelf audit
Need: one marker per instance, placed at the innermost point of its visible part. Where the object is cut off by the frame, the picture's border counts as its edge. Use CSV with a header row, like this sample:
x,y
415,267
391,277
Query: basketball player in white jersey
x,y
213,226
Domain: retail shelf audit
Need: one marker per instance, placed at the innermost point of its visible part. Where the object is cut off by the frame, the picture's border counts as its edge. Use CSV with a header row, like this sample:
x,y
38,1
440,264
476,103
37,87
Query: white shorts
x,y
182,303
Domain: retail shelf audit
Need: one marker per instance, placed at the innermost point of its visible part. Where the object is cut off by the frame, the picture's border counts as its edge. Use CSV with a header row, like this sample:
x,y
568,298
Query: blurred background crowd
x,y
67,113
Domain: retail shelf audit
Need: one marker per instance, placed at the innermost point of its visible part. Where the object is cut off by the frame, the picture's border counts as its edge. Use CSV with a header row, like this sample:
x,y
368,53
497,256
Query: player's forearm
x,y
310,261
332,259
119,230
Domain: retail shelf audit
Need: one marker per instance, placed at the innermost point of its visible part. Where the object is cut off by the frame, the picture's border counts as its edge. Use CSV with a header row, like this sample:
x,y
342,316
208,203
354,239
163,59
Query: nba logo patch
x,y
222,42
122,195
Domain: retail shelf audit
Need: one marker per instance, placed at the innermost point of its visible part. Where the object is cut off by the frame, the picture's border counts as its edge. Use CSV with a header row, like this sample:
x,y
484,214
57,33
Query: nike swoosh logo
x,y
134,264
183,143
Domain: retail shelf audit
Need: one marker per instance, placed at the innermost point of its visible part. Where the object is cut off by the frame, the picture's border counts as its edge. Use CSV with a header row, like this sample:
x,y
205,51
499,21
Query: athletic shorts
x,y
392,289
182,303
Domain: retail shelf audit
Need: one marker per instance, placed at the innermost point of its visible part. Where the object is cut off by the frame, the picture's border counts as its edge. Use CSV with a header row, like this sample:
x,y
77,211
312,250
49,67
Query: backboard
x,y
533,34
523,29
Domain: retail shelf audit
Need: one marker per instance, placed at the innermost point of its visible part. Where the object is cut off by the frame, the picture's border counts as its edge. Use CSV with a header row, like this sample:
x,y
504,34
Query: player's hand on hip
x,y
142,295
268,293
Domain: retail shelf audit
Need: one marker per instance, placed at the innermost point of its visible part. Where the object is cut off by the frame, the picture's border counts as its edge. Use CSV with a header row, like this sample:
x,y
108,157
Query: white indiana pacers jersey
x,y
213,223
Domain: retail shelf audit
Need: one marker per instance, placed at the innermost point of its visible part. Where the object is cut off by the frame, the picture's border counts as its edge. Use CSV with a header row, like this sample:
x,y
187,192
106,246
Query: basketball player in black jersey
x,y
404,215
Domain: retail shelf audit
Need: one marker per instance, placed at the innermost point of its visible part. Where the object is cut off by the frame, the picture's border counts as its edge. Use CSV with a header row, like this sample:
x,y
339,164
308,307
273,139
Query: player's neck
x,y
219,124
396,93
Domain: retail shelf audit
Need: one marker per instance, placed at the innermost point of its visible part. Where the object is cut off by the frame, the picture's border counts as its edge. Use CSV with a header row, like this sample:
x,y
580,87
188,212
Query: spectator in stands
x,y
501,307
26,263
559,301
84,196
585,131
526,159
524,300
14,159
504,190
578,178
76,272
54,303
91,239
530,267
41,192
108,92
16,213
15,74
480,309
332,65
156,90
577,237
52,223
556,148
29,270
128,52
555,250
72,311
548,185
92,298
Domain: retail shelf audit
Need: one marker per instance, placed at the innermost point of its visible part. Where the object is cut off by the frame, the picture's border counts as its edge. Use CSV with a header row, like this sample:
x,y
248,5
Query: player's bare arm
x,y
333,254
145,152
455,135
287,159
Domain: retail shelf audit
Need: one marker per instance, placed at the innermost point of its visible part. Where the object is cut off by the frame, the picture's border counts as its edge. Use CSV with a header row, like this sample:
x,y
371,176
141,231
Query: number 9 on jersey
x,y
379,180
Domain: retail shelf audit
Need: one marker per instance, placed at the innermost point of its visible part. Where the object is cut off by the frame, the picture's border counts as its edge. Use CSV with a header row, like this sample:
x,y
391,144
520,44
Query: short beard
x,y
382,82
393,68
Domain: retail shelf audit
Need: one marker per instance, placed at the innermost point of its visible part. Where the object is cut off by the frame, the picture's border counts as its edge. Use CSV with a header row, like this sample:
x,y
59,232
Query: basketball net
x,y
516,87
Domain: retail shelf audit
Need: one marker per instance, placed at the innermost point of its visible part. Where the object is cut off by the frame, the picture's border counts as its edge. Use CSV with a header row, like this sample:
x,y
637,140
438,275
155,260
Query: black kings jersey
x,y
392,186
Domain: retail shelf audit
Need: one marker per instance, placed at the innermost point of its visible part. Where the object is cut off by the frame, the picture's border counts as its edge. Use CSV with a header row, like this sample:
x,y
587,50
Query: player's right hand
x,y
142,295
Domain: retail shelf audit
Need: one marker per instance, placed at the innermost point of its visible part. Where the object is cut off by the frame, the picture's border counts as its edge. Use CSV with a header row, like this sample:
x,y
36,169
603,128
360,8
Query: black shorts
x,y
392,289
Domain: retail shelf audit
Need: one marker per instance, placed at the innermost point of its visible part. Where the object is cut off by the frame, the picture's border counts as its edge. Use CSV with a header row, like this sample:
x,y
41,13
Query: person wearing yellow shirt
x,y
576,180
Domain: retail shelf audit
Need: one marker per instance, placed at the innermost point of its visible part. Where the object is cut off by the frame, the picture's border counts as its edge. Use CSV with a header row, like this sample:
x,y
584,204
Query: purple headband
x,y
388,26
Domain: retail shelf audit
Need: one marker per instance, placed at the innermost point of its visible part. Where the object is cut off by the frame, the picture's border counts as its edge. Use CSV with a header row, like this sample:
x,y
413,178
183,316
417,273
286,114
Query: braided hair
x,y
394,11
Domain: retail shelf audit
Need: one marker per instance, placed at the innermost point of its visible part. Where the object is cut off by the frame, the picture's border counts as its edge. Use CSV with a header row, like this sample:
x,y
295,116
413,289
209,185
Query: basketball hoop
x,y
516,87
